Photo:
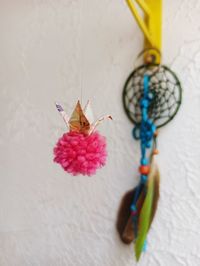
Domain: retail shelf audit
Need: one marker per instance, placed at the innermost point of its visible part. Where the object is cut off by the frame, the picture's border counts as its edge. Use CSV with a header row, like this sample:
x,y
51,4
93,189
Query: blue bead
x,y
148,144
144,103
144,161
133,208
148,134
143,178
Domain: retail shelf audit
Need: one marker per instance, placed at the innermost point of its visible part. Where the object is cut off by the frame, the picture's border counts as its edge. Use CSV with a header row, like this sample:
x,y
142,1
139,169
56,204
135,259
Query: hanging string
x,y
82,49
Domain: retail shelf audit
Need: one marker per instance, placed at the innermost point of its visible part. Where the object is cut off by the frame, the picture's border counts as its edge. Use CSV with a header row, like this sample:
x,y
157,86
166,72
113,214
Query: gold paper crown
x,y
81,119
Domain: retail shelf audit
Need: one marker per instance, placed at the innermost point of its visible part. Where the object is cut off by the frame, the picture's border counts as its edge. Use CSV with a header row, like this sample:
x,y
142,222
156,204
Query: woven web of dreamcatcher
x,y
165,90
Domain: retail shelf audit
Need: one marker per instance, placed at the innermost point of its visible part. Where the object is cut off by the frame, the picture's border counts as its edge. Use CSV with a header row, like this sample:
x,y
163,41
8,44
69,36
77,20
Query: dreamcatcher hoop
x,y
166,93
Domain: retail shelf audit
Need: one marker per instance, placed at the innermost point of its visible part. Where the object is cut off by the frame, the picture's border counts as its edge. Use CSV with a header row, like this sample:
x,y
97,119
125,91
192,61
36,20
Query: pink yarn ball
x,y
82,154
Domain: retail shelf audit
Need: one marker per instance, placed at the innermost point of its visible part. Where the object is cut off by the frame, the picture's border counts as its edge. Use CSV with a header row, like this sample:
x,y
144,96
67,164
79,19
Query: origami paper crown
x,y
82,119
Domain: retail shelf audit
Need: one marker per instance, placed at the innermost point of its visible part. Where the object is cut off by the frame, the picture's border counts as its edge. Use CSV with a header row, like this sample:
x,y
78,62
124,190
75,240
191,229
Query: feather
x,y
124,224
128,234
123,216
156,192
130,231
148,209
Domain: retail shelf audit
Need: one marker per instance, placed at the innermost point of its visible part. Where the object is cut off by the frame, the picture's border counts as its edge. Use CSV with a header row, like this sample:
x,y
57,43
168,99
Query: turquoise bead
x,y
133,208
144,161
143,178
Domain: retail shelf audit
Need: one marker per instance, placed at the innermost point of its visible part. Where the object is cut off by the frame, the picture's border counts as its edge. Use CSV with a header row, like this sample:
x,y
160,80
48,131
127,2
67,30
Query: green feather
x,y
145,217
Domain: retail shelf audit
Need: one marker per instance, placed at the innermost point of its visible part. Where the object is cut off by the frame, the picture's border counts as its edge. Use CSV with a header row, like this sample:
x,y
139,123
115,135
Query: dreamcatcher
x,y
151,98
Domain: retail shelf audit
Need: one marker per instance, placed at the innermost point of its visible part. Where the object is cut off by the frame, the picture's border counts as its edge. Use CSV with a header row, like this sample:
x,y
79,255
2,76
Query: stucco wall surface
x,y
49,50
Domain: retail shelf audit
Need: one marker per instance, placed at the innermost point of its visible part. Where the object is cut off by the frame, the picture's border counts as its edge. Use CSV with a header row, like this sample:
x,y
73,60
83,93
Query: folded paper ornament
x,y
82,150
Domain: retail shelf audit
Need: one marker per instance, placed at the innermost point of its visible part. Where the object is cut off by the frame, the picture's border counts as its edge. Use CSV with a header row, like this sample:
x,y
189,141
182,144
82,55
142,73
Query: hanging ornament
x,y
82,150
152,97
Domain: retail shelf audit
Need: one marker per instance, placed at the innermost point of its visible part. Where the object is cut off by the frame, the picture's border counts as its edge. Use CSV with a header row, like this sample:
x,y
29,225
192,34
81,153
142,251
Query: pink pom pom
x,y
82,154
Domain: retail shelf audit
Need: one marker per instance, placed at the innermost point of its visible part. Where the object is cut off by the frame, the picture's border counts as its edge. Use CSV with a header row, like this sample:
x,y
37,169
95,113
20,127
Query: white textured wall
x,y
48,48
